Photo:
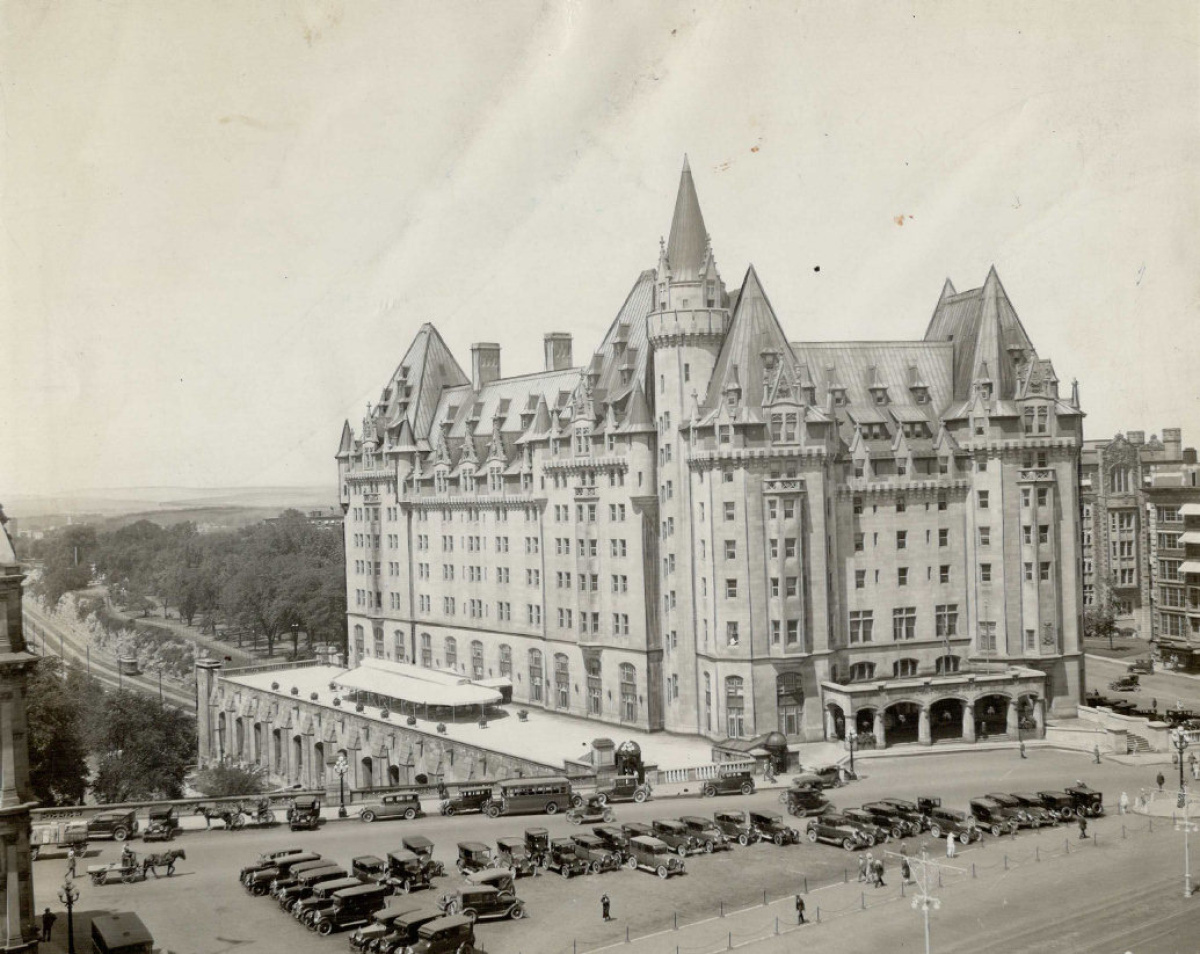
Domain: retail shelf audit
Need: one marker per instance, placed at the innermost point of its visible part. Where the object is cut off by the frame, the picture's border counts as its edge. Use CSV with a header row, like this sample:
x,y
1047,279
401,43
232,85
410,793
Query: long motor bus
x,y
530,796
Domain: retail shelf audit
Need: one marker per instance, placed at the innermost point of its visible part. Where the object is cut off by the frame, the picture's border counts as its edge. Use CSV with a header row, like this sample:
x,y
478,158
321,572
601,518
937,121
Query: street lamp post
x,y
924,900
68,894
851,739
341,767
1187,825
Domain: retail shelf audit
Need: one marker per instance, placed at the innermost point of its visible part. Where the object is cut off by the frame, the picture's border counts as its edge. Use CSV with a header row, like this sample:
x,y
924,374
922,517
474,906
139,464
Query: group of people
x,y
870,870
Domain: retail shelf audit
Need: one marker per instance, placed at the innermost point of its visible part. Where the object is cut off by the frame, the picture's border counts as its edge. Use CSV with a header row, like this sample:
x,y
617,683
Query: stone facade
x,y
709,529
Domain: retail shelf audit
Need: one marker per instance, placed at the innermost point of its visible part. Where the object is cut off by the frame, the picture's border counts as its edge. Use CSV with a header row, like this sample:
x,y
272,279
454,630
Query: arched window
x,y
476,659
398,647
562,681
451,653
735,707
378,650
789,702
948,664
506,660
862,671
904,667
319,763
536,677
426,650
359,641
629,707
1122,480
595,687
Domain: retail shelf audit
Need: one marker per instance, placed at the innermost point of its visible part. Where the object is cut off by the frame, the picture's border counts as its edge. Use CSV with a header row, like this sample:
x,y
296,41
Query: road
x,y
1166,687
203,911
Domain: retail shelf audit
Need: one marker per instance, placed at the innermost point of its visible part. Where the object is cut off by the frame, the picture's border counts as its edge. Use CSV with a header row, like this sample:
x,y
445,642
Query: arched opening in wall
x,y
393,775
864,723
838,724
947,664
257,735
789,702
901,722
359,643
562,681
221,743
991,716
277,751
318,763
629,703
239,739
421,779
945,719
735,707
367,779
595,687
536,677
297,757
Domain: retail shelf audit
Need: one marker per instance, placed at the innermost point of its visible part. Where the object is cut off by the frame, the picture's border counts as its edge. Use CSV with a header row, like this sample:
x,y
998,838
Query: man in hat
x,y
604,903
799,910
48,919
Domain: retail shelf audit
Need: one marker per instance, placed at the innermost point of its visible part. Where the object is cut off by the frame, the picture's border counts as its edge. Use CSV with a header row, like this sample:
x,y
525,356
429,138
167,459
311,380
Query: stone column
x,y
924,736
968,722
830,725
1013,718
880,735
1039,718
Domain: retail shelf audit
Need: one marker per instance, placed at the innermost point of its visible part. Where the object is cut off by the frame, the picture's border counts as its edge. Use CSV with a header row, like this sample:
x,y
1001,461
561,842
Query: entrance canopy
x,y
414,685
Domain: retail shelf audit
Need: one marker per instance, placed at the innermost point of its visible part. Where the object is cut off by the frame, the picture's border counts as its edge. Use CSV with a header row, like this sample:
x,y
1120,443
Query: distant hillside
x,y
147,501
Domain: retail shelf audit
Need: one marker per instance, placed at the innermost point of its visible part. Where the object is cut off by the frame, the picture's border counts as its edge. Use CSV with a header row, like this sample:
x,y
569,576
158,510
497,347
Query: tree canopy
x,y
143,749
56,705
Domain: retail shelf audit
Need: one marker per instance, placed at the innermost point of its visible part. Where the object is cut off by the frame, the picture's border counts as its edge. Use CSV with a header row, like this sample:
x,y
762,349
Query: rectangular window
x,y
902,576
730,510
1028,572
983,499
1026,498
904,623
1043,496
860,579
987,635
793,586
901,539
944,573
858,542
985,573
861,623
1044,572
793,632
789,548
943,537
730,549
946,620
985,536
731,588
731,633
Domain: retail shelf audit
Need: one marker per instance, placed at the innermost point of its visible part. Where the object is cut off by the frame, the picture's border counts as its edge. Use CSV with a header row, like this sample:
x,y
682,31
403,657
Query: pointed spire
x,y
689,238
346,446
1075,393
948,290
638,419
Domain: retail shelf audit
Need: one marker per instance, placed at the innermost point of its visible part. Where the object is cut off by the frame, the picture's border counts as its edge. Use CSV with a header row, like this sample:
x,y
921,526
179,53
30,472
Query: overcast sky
x,y
224,222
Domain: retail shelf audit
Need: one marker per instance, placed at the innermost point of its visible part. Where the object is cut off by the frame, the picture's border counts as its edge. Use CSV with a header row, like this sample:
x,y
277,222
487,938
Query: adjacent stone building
x,y
708,528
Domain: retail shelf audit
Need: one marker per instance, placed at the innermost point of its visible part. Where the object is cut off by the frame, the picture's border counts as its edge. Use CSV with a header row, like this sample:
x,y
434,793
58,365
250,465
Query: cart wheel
x,y
120,834
448,810
128,877
367,816
239,821
269,818
97,880
662,872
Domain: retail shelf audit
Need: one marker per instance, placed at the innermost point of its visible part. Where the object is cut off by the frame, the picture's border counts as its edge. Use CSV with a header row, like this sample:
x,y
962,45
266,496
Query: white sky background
x,y
224,222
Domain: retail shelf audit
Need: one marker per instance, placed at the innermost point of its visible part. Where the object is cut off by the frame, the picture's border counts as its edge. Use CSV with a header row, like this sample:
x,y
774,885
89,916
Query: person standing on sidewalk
x,y
604,903
905,869
1161,780
878,878
48,919
950,845
799,910
862,866
1082,825
1123,804
71,862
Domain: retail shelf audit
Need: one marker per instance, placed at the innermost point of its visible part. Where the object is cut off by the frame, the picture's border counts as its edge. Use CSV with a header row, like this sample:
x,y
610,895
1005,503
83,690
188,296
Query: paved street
x,y
203,911
1166,687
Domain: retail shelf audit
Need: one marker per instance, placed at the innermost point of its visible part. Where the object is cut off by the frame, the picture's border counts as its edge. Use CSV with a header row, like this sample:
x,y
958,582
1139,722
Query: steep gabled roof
x,y
426,369
689,238
346,446
637,419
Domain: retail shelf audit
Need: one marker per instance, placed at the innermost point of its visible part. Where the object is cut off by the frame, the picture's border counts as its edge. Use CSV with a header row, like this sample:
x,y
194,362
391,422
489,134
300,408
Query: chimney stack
x,y
558,351
1172,438
1136,438
485,364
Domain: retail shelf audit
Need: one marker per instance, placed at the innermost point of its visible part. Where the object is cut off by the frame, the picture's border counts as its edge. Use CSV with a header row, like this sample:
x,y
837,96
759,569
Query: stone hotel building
x,y
705,527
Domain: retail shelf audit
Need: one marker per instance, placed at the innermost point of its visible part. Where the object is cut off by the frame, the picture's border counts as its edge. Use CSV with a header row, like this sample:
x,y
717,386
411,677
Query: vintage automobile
x,y
563,859
918,810
161,824
482,902
305,814
469,798
869,823
448,935
735,826
511,853
304,883
598,856
1059,804
117,825
306,909
951,821
257,878
804,801
769,826
1143,667
537,843
993,817
636,829
499,878
366,938
833,776
292,875
1033,803
1125,683
614,838
351,907
1025,817
707,833
624,788
676,836
404,929
64,834
406,805
422,847
836,829
474,856
729,783
898,822
406,872
650,854
368,868
590,809
1086,800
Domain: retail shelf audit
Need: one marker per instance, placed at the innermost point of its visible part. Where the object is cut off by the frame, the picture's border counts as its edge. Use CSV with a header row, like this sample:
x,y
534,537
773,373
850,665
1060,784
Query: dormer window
x,y
583,442
441,482
879,396
725,434
921,395
839,397
809,395
985,390
785,427
626,375
731,399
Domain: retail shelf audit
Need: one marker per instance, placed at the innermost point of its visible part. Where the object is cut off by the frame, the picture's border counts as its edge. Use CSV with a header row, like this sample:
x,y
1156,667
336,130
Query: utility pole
x,y
1186,825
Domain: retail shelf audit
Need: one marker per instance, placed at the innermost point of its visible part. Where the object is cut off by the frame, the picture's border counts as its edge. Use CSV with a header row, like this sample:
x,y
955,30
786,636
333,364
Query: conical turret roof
x,y
689,238
346,446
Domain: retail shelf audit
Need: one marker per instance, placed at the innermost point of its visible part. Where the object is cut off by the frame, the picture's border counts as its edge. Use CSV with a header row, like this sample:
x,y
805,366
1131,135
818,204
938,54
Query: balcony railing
x,y
783,485
1037,474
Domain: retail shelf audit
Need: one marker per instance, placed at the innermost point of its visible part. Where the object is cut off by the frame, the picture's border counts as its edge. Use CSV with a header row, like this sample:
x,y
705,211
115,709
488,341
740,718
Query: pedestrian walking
x,y
1082,825
1195,769
950,846
604,905
905,870
48,919
879,873
1161,780
862,866
1123,804
1023,755
71,861
1096,752
1154,704
799,910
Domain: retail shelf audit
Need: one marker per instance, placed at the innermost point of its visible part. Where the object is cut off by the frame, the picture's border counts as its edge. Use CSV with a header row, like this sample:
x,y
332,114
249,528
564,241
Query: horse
x,y
232,817
167,859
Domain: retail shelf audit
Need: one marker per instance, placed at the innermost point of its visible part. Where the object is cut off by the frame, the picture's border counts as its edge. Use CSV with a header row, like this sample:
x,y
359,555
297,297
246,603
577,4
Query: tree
x,y
67,566
145,749
1100,619
58,771
223,780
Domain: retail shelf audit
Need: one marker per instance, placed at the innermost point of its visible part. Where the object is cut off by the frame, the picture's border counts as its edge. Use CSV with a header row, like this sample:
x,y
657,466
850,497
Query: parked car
x,y
1032,802
635,829
306,909
404,929
563,859
899,822
710,836
117,825
598,856
946,821
367,938
406,805
296,872
918,809
834,829
834,776
266,860
1087,801
305,814
302,887
991,816
615,839
499,878
650,854
65,834
1025,817
406,872
422,847
258,882
735,826
449,935
351,907
869,823
804,801
1059,804
1141,666
729,783
624,788
537,843
482,902
161,824
676,836
468,798
474,856
368,868
512,853
769,826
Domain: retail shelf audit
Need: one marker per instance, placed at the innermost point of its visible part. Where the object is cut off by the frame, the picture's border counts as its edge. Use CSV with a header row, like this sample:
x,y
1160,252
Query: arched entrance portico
x,y
991,715
946,720
393,775
902,722
835,722
367,780
319,763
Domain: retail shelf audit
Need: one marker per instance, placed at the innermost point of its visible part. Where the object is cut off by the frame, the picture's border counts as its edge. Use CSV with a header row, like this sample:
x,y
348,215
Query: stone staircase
x,y
1135,743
